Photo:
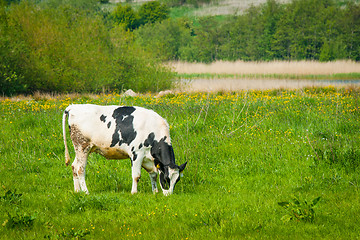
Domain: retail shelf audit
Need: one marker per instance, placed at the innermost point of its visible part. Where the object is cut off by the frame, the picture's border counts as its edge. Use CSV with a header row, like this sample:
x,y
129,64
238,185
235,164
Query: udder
x,y
111,153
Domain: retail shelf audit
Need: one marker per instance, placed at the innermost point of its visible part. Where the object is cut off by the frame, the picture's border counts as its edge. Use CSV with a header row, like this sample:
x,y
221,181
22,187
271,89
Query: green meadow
x,y
275,164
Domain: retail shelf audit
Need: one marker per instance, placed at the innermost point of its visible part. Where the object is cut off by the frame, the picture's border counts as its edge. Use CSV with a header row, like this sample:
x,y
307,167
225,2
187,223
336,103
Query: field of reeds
x,y
240,75
296,68
272,164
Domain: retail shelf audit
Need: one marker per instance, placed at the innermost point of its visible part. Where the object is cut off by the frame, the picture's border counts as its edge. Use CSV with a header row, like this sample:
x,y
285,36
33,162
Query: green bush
x,y
166,39
64,48
153,11
10,82
149,12
125,15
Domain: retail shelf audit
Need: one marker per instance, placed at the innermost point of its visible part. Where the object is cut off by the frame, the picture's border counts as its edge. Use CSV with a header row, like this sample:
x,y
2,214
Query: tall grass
x,y
247,151
271,67
297,68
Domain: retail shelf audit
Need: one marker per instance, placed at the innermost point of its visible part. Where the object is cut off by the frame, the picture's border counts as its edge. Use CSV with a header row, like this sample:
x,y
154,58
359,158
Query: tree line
x,y
323,30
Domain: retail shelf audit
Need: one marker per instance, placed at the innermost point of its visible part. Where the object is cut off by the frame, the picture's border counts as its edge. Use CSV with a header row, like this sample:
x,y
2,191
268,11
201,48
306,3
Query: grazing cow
x,y
120,132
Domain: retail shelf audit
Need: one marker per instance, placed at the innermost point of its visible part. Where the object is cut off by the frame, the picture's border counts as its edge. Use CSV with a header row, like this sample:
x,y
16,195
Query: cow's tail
x,y
67,155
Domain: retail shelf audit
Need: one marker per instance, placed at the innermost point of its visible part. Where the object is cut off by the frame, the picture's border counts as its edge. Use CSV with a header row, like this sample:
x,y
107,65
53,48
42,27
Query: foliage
x,y
61,47
10,82
148,13
246,152
20,220
166,39
153,11
11,197
74,234
299,210
124,14
298,30
16,217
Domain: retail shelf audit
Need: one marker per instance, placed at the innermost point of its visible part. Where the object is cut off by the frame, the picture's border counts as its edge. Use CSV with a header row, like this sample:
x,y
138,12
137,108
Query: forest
x,y
95,46
322,30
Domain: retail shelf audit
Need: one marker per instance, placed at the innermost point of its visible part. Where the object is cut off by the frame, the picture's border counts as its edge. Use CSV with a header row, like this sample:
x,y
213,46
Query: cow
x,y
121,132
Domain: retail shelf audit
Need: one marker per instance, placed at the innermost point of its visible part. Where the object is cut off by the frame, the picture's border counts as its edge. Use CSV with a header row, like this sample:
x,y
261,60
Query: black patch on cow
x,y
163,154
124,125
149,141
103,118
134,156
140,146
109,124
164,180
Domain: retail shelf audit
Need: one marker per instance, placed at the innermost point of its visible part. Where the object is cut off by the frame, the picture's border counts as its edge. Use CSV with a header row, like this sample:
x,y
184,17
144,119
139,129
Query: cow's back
x,y
117,126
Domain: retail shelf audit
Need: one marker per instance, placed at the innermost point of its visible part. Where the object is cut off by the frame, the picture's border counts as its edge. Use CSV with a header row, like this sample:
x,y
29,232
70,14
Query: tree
x,y
351,30
165,39
153,11
126,16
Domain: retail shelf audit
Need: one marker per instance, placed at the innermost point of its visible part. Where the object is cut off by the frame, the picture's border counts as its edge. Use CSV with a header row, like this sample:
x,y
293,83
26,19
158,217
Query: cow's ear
x,y
182,167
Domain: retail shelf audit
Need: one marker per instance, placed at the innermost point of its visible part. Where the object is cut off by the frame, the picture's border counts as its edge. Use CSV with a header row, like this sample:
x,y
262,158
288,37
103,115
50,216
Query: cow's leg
x,y
153,177
82,149
75,176
137,160
149,166
78,168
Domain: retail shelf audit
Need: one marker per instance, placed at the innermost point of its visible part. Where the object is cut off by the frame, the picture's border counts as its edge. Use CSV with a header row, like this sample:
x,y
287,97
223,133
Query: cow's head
x,y
164,160
169,176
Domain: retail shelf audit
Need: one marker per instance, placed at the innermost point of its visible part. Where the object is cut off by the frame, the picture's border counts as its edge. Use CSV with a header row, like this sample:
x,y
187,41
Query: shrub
x,y
166,40
126,16
10,82
64,48
153,11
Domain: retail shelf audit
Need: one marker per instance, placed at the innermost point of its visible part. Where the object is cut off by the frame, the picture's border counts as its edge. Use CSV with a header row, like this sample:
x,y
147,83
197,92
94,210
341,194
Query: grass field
x,y
279,164
271,68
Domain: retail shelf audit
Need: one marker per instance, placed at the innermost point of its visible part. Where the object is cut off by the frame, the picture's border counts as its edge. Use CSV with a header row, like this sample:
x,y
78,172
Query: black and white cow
x,y
120,132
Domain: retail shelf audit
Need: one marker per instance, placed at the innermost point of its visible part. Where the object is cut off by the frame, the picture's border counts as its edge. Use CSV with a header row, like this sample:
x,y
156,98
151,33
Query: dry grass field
x,y
239,75
228,84
273,67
